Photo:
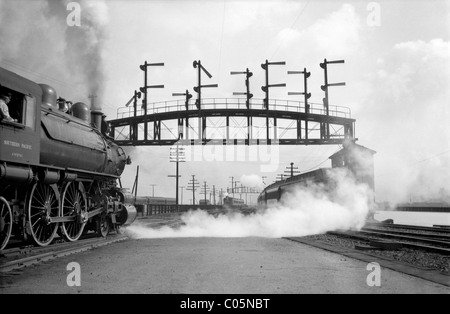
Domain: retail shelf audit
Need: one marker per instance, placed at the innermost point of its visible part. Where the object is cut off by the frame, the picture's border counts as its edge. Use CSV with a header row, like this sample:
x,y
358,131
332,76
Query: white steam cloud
x,y
302,211
408,104
252,181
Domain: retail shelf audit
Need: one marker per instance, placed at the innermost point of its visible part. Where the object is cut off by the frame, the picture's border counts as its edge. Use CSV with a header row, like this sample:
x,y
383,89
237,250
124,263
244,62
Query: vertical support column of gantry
x,y
228,127
157,129
349,131
250,130
187,128
131,132
180,128
204,128
275,136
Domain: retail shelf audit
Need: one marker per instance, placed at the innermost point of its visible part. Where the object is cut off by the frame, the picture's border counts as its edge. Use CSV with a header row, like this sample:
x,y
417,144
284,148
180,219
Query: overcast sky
x,y
397,73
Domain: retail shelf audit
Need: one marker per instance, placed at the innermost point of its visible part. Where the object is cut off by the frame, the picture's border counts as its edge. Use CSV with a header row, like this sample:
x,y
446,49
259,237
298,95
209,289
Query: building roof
x,y
354,145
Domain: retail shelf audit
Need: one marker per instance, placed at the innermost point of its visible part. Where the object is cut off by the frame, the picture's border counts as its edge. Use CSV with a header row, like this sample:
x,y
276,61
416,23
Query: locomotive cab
x,y
20,138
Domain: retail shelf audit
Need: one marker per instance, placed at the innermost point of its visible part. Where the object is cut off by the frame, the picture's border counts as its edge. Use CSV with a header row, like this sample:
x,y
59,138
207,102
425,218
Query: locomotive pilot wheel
x,y
5,222
42,205
74,204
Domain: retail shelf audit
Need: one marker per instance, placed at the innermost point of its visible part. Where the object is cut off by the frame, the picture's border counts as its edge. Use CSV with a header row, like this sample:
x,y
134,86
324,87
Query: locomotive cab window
x,y
17,108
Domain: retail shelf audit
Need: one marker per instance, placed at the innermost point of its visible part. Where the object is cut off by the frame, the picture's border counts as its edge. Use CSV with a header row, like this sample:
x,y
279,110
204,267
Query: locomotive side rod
x,y
89,215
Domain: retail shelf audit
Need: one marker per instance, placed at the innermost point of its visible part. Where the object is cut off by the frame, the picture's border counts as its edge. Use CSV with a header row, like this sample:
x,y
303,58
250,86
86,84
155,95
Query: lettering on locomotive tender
x,y
16,144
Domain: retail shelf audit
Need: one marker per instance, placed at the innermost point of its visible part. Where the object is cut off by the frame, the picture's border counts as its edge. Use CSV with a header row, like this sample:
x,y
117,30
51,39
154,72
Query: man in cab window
x,y
5,98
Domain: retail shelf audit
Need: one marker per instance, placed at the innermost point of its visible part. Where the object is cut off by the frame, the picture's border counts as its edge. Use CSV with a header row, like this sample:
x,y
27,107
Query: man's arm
x,y
4,113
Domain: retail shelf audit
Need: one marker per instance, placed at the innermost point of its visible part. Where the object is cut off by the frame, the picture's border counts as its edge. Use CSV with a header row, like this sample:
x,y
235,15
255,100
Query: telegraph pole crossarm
x,y
291,170
193,185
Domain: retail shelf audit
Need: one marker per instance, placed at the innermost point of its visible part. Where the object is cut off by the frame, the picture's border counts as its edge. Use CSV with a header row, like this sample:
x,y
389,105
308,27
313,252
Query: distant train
x,y
204,202
232,202
147,205
152,200
356,158
59,169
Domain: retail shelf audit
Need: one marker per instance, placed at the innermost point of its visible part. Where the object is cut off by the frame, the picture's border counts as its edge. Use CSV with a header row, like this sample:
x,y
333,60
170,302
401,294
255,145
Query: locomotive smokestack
x,y
96,119
96,113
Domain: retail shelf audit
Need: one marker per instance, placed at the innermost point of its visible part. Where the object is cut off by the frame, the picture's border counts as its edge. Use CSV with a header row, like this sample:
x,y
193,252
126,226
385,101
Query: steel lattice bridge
x,y
232,121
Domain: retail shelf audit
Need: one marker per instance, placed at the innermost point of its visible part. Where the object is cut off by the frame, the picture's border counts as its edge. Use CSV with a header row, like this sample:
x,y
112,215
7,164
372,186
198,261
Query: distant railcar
x,y
204,202
144,200
232,202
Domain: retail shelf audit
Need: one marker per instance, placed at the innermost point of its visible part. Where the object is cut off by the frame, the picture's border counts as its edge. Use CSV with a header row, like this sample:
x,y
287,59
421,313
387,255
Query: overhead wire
x,y
292,25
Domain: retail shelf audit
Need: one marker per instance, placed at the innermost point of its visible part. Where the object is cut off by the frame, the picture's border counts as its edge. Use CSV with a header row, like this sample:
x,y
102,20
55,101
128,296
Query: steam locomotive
x,y
59,169
273,193
357,159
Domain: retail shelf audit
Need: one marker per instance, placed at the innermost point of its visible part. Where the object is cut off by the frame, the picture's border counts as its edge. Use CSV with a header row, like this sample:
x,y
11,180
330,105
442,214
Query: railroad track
x,y
425,235
384,238
15,258
441,230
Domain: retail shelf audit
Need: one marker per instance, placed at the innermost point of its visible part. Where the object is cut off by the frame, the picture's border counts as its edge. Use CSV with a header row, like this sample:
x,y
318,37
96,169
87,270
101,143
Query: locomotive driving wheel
x,y
74,204
42,205
5,222
103,223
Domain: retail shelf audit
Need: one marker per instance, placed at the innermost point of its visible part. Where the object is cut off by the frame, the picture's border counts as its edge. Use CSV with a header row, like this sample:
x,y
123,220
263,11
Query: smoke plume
x,y
408,105
304,210
37,42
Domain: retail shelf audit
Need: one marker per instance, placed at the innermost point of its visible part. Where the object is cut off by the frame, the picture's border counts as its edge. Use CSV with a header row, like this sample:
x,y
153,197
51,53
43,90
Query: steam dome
x,y
81,111
48,96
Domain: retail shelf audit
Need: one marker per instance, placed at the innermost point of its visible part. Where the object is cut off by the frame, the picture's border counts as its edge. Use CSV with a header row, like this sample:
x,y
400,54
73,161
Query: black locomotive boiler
x,y
59,170
356,158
